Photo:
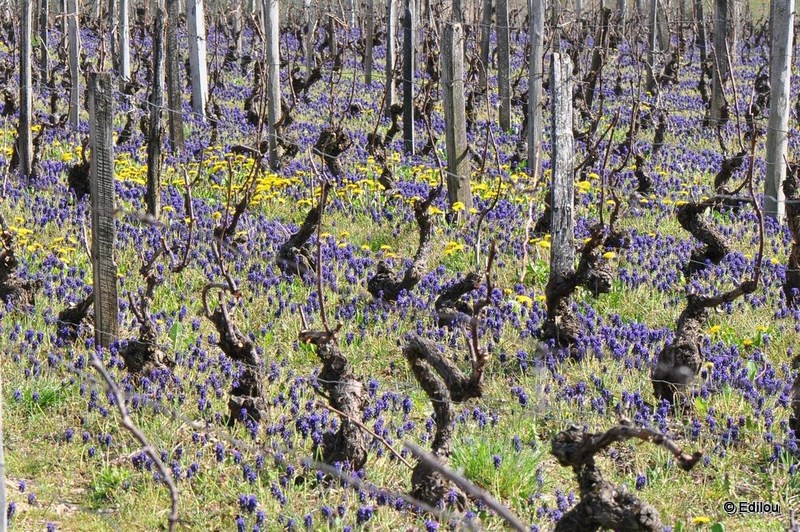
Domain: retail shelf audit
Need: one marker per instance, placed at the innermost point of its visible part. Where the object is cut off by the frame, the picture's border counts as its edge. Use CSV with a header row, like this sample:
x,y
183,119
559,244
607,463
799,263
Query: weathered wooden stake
x,y
535,73
106,304
455,117
720,61
196,21
124,41
309,37
780,82
370,31
408,77
652,45
274,81
486,32
74,63
43,25
562,250
173,78
391,36
25,146
503,64
153,194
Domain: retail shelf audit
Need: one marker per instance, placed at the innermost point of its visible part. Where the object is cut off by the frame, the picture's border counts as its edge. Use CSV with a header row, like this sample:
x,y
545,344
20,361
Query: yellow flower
x,y
216,215
747,342
608,255
583,186
701,520
386,247
544,244
714,329
458,206
524,300
452,247
762,328
435,210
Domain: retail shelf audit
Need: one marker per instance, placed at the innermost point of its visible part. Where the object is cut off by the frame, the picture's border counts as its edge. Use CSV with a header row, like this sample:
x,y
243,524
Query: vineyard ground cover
x,y
63,441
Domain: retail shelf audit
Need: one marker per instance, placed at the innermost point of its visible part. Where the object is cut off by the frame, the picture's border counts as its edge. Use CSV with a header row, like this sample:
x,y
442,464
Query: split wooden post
x,y
562,250
274,80
391,36
25,146
535,73
101,114
73,36
309,37
455,117
173,78
153,194
196,21
503,64
408,77
780,82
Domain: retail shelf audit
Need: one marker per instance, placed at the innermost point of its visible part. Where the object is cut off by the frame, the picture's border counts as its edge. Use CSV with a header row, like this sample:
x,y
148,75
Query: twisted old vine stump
x,y
603,506
143,355
14,290
791,190
450,309
71,318
445,384
246,399
295,256
690,216
346,393
388,284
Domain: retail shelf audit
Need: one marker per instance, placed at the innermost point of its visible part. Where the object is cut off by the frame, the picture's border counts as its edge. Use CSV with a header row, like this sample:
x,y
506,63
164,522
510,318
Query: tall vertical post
x,y
535,73
44,15
780,81
370,31
101,115
274,81
173,78
622,15
719,65
652,46
124,40
486,33
153,194
503,64
309,37
391,36
455,117
74,63
701,31
562,250
196,21
25,146
408,77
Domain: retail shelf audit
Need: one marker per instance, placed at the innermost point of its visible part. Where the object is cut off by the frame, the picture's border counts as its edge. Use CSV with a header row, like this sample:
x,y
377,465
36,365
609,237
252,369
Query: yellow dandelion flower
x,y
701,520
524,300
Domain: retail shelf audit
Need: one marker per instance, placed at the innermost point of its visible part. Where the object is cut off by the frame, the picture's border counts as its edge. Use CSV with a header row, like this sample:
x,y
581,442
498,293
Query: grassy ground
x,y
65,448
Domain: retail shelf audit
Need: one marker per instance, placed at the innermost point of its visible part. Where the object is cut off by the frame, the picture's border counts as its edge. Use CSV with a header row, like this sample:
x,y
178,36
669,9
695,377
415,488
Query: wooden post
x,y
274,81
309,37
153,194
455,117
43,25
503,64
173,78
74,63
719,67
663,25
113,27
408,77
25,146
196,21
652,45
124,41
535,73
391,36
622,13
780,82
486,33
101,114
701,31
562,250
370,30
